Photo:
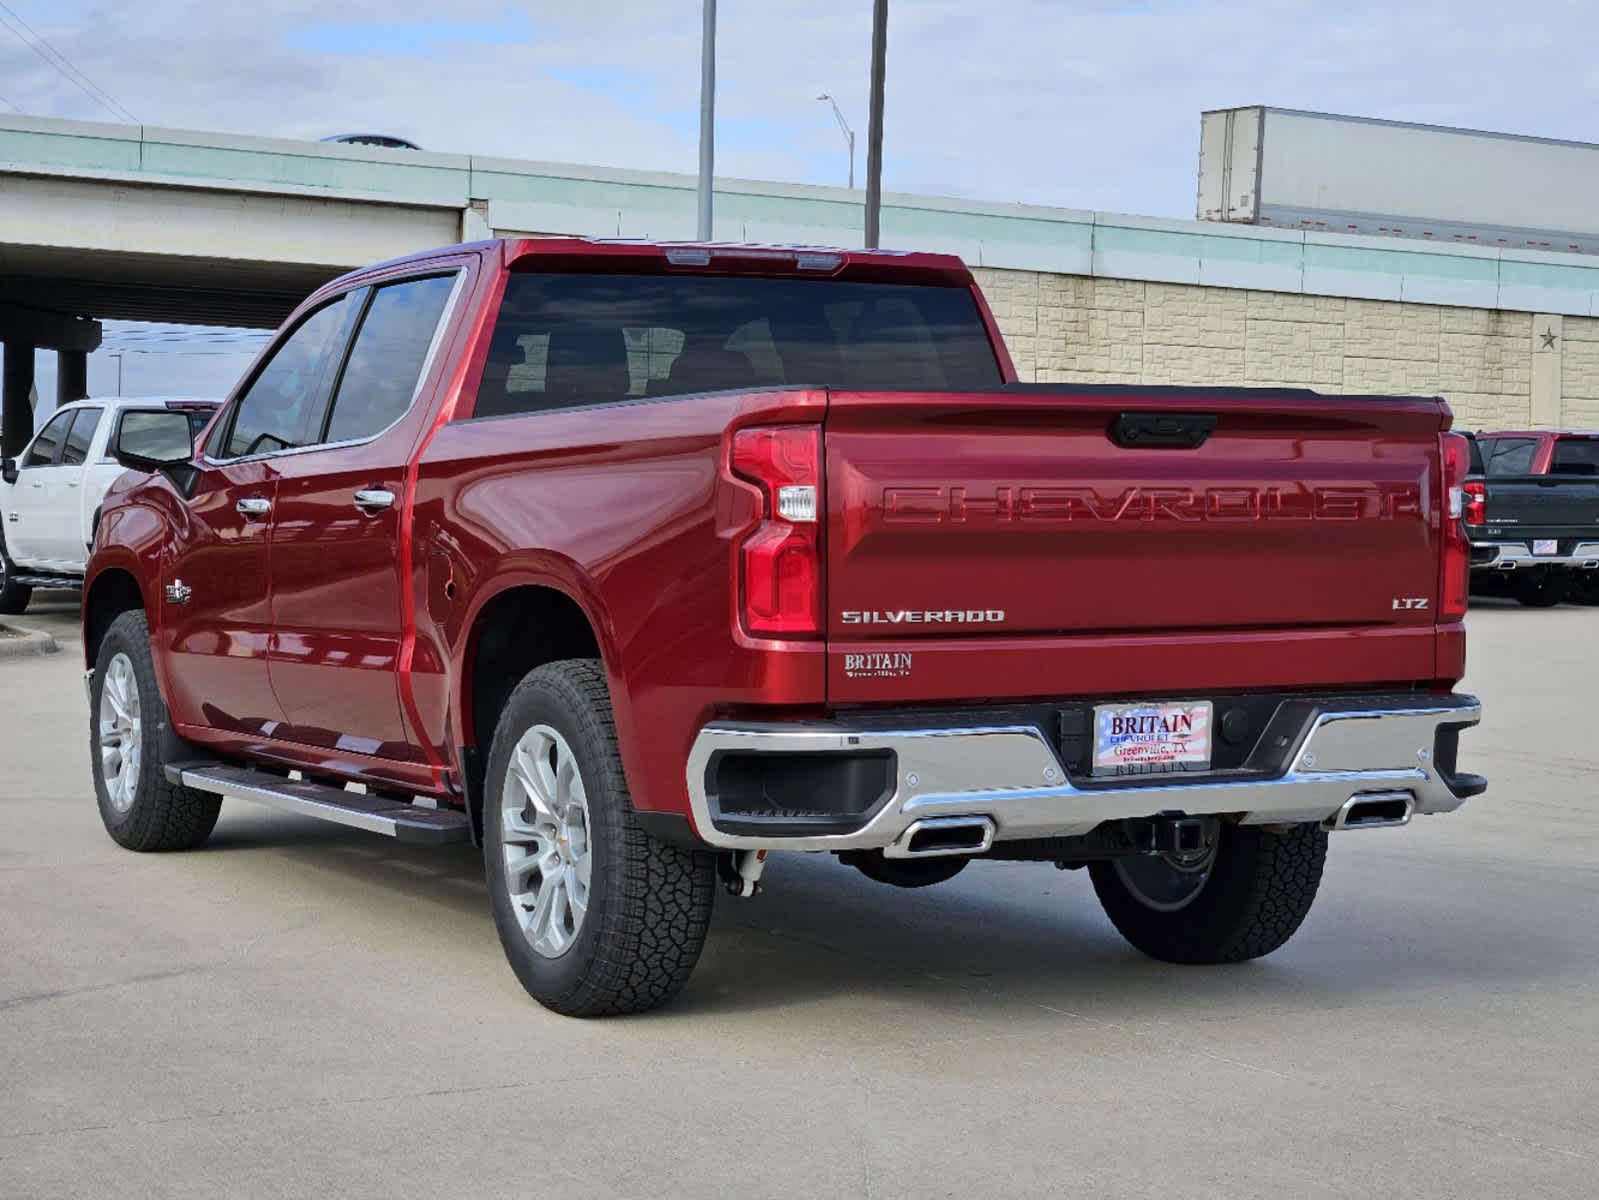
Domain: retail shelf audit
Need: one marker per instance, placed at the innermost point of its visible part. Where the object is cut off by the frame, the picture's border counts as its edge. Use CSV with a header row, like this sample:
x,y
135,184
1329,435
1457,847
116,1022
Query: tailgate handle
x,y
1162,431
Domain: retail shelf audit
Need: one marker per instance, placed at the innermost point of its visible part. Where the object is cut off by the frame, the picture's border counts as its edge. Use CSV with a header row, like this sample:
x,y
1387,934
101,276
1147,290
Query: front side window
x,y
83,427
564,340
283,406
43,451
385,362
1509,456
1575,456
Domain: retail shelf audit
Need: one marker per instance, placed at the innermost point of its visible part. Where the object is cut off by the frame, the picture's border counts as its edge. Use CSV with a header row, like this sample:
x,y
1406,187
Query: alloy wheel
x,y
121,732
545,828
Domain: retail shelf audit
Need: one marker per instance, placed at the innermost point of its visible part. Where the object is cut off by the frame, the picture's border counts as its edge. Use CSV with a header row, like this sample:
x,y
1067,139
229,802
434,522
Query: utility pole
x,y
874,129
707,119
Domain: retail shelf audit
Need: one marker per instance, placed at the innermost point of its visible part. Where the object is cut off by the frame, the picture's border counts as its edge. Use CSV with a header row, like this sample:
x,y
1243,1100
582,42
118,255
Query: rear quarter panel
x,y
624,509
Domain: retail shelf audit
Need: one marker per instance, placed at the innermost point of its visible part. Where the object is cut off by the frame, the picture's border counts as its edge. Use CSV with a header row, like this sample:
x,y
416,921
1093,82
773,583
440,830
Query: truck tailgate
x,y
1038,519
1543,505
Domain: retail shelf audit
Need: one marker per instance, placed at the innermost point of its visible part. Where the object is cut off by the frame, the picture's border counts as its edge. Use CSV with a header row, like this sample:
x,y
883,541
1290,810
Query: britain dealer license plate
x,y
1151,739
1544,546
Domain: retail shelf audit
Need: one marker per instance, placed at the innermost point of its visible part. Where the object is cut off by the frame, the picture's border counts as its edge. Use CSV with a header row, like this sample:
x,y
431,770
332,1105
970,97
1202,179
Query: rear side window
x,y
83,426
386,361
1508,456
565,340
1575,456
284,405
43,451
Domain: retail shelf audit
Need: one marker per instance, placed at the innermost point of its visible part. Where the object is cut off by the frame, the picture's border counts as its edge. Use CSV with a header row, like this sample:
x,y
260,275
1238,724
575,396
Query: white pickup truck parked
x,y
50,495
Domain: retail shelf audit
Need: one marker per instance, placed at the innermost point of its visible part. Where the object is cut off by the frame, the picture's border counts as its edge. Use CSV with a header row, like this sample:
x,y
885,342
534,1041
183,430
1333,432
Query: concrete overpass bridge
x,y
102,221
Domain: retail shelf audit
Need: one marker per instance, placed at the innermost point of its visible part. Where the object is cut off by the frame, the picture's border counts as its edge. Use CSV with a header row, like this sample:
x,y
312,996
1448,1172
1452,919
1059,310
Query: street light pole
x,y
707,119
849,134
874,128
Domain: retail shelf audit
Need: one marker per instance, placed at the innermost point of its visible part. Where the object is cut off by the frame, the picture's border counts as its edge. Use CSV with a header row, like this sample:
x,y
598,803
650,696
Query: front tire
x,y
596,917
1243,901
141,810
14,596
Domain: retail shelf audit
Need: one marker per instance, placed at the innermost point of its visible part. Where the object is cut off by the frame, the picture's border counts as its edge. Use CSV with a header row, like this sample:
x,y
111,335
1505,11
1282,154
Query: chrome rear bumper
x,y
1011,776
1510,556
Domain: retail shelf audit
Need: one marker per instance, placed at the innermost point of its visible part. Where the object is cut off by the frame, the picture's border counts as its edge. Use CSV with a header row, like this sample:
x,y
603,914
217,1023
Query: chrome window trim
x,y
445,317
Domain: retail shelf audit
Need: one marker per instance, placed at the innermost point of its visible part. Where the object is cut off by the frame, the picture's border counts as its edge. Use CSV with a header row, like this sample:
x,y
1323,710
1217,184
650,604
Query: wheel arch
x,y
524,622
112,591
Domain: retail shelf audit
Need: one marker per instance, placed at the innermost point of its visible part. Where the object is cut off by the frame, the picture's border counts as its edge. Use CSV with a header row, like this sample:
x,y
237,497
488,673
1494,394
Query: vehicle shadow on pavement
x,y
1011,938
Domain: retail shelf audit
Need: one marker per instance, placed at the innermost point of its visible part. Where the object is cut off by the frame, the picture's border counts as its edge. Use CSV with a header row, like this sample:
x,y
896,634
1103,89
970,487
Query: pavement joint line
x,y
325,1103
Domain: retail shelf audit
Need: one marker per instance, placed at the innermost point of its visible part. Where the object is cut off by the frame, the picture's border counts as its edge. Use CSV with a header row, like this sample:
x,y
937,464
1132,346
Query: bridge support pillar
x,y
16,407
72,376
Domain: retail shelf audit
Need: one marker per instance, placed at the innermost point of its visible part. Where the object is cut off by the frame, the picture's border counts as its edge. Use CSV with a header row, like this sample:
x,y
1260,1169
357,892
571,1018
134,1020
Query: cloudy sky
x,y
1081,103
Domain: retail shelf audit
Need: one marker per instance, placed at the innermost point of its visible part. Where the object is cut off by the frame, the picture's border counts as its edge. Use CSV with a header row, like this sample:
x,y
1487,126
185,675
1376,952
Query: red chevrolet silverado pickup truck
x,y
635,563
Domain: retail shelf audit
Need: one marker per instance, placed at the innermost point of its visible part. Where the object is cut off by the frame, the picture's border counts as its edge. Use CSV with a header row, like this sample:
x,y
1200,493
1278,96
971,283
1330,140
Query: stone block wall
x,y
1066,328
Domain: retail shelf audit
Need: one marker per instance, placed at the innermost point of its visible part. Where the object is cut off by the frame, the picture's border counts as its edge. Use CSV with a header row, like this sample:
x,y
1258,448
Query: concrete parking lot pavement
x,y
304,1010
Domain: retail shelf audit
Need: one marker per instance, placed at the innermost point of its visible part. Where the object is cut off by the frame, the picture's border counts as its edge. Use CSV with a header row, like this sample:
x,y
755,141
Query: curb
x,y
32,642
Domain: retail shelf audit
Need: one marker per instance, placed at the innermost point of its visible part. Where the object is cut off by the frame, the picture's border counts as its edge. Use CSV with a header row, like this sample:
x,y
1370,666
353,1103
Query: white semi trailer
x,y
1302,170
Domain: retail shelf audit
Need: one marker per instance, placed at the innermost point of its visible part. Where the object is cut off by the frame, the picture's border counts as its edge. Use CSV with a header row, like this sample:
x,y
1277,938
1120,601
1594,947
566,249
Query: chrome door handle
x,y
253,506
374,500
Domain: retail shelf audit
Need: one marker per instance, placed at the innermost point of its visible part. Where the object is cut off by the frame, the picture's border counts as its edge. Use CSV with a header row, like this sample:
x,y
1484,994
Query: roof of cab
x,y
716,258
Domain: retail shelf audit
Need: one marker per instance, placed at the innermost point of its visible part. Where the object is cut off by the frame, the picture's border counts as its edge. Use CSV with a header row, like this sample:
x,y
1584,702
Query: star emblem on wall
x,y
1547,337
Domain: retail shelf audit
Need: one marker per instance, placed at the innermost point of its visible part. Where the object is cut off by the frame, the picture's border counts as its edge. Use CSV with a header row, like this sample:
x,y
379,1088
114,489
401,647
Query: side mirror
x,y
157,441
8,469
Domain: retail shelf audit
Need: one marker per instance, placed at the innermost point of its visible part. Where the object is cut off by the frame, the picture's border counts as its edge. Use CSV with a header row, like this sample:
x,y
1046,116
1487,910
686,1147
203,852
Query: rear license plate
x,y
1546,546
1151,739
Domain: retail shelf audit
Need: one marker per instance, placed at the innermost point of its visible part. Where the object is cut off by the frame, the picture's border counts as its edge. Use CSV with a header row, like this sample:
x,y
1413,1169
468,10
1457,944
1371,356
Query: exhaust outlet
x,y
935,837
1373,810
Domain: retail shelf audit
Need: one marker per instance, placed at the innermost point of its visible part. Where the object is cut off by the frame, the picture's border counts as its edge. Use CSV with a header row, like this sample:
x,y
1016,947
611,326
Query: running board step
x,y
396,819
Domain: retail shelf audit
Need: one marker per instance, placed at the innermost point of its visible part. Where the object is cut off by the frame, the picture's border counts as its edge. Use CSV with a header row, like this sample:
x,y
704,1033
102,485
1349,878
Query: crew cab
x,y
636,563
51,493
1532,514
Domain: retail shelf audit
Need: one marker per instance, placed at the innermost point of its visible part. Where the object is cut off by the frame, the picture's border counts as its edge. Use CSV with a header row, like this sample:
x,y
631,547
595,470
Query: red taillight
x,y
780,576
1476,511
1455,581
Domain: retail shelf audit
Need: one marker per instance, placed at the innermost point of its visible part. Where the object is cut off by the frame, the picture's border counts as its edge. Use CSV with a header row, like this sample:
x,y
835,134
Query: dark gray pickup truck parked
x,y
1532,514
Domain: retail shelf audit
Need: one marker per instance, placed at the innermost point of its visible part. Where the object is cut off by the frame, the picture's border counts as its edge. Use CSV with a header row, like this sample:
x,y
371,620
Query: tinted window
x,y
162,435
386,359
1509,456
1575,456
563,340
283,407
43,451
77,451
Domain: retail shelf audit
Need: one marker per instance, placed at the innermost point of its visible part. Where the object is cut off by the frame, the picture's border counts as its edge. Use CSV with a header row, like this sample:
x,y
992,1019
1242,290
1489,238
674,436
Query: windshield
x,y
565,340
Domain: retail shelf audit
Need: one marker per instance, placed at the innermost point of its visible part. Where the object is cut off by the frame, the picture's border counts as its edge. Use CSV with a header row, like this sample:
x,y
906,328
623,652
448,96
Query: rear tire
x,y
1252,898
14,596
1585,588
596,917
141,810
1550,588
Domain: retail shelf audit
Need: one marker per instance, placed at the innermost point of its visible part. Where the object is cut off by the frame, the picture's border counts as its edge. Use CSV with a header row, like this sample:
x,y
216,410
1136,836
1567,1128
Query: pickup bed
x,y
636,563
1532,513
